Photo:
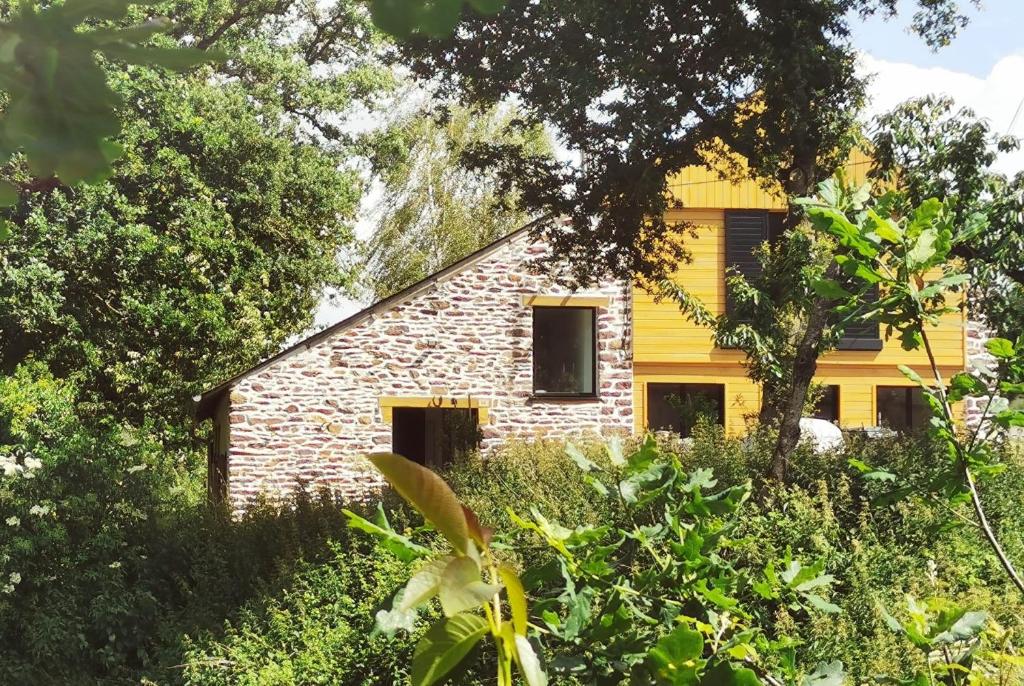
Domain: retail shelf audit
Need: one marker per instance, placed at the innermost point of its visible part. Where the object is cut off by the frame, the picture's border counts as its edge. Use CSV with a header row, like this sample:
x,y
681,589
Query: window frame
x,y
546,395
908,407
838,404
721,394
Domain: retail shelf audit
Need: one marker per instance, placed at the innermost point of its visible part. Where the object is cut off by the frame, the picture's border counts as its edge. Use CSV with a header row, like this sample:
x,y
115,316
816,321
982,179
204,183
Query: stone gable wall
x,y
313,414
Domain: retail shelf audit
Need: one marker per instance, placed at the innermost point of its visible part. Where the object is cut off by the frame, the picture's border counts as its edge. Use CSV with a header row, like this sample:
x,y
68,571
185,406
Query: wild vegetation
x,y
175,198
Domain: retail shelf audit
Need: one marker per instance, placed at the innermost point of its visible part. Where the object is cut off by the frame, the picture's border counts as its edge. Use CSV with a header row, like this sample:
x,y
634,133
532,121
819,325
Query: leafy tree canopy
x,y
642,89
215,236
931,150
433,211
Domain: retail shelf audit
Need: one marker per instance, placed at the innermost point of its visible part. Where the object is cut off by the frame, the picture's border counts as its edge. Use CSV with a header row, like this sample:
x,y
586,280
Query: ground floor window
x,y
434,436
827,407
901,408
678,406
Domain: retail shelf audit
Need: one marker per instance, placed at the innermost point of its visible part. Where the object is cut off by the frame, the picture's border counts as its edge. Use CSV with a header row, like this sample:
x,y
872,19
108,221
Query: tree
x,y
59,111
643,89
929,149
433,211
213,239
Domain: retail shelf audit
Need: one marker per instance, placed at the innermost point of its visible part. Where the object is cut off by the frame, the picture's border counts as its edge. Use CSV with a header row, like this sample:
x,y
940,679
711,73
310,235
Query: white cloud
x,y
995,97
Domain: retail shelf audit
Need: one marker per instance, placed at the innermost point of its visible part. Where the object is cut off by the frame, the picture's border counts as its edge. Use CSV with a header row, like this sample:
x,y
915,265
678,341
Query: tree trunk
x,y
805,364
789,408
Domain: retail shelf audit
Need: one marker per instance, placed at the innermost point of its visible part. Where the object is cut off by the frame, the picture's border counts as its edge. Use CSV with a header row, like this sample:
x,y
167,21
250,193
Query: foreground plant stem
x,y
965,468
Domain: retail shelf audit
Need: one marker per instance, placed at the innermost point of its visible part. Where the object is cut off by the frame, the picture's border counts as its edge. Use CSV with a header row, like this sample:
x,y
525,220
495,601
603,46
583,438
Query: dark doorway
x,y
434,436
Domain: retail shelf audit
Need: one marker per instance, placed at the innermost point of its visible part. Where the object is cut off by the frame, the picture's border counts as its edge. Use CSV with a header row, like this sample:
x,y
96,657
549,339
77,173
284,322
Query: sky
x,y
983,69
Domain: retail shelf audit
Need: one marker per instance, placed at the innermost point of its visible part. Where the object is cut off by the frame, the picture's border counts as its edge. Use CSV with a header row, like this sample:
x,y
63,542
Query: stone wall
x,y
312,414
979,363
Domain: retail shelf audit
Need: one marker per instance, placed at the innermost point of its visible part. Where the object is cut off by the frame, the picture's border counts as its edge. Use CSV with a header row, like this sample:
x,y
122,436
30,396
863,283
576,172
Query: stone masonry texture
x,y
312,415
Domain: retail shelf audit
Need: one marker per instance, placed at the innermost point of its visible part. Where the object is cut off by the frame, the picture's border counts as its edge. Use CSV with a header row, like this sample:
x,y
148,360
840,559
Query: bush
x,y
122,574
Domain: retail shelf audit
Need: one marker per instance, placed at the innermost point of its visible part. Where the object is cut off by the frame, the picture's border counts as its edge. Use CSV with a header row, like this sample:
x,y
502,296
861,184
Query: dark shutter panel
x,y
862,336
776,226
744,231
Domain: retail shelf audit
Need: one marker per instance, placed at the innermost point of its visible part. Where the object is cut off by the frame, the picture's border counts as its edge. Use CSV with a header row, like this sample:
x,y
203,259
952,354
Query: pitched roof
x,y
209,399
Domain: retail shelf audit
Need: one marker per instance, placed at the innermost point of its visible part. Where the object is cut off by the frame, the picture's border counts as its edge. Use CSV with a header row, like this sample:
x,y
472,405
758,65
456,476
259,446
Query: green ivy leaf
x,y
445,646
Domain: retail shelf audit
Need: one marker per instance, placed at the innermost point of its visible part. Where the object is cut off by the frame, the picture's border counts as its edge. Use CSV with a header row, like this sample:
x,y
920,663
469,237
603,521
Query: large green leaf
x,y
461,588
830,289
529,665
963,384
399,545
516,598
923,250
725,674
445,646
674,653
428,493
1000,348
425,583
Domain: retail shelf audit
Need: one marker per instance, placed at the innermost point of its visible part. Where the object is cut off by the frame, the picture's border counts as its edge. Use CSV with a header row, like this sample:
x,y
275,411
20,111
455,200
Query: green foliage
x,y
661,598
106,565
60,110
433,210
934,151
74,534
213,241
909,257
403,18
740,82
315,628
456,580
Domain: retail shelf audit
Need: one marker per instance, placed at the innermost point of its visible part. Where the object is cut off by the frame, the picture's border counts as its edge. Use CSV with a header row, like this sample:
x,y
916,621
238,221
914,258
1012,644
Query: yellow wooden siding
x,y
857,390
699,186
668,348
664,335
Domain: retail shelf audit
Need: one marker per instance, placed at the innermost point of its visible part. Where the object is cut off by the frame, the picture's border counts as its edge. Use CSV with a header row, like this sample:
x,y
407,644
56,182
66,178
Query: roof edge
x,y
207,401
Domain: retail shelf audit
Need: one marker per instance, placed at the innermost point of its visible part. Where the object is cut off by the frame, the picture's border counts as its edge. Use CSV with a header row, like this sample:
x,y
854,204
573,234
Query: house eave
x,y
206,403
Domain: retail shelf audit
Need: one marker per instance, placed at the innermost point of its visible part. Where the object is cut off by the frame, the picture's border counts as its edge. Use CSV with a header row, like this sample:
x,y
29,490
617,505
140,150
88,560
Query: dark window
x,y
564,351
434,436
862,335
745,230
827,407
678,406
901,408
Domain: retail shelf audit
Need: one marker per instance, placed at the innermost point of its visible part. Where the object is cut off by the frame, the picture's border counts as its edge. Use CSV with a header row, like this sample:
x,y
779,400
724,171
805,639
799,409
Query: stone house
x,y
449,359
491,349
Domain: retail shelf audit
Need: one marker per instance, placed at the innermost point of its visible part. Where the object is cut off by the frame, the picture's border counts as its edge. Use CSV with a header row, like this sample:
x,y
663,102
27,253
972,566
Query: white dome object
x,y
823,435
